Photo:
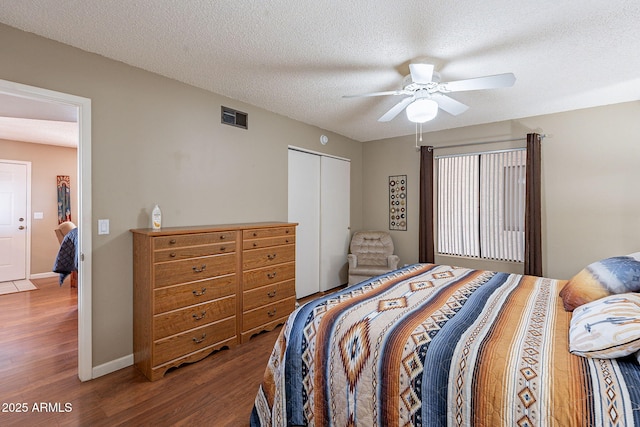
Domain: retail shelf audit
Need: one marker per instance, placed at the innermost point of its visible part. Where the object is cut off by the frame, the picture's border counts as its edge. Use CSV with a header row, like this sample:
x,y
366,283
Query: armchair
x,y
63,229
371,255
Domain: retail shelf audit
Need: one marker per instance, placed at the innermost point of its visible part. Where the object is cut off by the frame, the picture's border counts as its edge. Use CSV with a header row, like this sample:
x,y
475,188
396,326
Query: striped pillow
x,y
606,328
606,277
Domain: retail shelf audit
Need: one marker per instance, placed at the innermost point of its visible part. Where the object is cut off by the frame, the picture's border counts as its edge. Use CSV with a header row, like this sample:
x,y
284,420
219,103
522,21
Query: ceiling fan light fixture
x,y
422,110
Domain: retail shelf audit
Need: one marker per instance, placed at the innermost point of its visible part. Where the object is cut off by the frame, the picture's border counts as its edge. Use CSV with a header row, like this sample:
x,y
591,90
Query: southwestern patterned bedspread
x,y
433,345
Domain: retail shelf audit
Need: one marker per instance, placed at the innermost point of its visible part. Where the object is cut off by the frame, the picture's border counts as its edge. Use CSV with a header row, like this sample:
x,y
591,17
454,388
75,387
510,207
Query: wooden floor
x,y
39,370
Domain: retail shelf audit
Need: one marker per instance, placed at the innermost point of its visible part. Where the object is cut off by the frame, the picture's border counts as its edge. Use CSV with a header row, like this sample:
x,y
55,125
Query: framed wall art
x,y
398,202
64,198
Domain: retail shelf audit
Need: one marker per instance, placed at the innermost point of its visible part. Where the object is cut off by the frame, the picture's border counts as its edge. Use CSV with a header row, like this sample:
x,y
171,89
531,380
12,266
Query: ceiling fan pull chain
x,y
420,132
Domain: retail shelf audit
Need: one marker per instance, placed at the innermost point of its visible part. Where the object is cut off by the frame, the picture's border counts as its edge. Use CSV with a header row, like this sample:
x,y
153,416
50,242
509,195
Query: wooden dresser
x,y
199,289
268,278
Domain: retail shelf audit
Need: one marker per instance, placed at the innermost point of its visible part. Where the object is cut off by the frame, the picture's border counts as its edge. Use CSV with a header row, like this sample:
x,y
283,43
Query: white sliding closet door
x,y
304,208
319,198
335,178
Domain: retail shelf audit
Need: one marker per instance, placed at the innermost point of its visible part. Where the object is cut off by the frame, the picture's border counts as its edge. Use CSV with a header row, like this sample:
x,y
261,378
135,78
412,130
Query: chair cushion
x,y
368,270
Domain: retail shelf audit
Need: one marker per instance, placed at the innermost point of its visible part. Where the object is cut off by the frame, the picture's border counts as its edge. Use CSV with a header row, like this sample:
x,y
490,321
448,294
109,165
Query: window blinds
x,y
481,205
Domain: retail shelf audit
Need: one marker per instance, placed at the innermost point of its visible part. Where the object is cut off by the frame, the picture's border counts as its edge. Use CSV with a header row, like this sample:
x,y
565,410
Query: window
x,y
481,202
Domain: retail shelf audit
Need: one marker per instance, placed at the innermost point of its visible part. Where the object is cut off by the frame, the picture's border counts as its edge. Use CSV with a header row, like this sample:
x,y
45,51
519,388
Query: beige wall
x,y
47,161
155,140
589,170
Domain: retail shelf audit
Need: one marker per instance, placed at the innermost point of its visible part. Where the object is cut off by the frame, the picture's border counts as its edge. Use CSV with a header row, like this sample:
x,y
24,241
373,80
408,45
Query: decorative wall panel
x,y
398,202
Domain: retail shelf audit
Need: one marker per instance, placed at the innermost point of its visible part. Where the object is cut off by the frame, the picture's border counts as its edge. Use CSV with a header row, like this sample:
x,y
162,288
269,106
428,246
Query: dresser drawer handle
x,y
272,275
255,234
198,341
222,237
172,241
199,294
271,294
255,244
172,254
271,313
223,248
271,256
199,317
201,269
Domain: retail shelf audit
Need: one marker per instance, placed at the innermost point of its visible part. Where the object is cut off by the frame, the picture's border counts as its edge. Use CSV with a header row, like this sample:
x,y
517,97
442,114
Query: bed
x,y
436,345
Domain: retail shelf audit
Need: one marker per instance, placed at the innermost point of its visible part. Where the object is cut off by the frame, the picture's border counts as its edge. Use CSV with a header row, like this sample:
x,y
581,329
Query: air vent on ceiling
x,y
234,118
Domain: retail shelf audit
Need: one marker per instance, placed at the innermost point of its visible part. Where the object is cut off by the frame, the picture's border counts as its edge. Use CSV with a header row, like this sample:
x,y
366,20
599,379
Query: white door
x,y
304,208
335,196
13,221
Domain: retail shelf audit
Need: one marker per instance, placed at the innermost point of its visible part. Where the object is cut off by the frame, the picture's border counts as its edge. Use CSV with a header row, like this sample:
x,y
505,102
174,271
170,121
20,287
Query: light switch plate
x,y
103,226
38,215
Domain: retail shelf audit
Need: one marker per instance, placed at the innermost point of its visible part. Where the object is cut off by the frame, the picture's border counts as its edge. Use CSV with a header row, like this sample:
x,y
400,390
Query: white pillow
x,y
606,328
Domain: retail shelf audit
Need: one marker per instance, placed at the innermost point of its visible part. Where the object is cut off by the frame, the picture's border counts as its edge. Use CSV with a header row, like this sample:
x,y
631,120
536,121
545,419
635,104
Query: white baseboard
x,y
112,366
43,275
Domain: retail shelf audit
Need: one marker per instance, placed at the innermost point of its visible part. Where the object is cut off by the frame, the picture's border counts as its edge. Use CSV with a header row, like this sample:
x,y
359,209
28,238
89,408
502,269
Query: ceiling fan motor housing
x,y
409,85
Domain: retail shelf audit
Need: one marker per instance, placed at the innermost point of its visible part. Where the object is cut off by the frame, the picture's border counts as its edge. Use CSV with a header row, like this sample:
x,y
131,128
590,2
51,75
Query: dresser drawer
x,y
269,241
268,275
177,321
261,233
254,318
174,272
268,294
256,258
177,241
177,254
174,297
182,344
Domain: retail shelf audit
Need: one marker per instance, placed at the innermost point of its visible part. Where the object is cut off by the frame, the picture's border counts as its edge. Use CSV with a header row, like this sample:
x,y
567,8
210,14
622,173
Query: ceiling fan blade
x,y
421,73
487,82
396,109
389,92
449,104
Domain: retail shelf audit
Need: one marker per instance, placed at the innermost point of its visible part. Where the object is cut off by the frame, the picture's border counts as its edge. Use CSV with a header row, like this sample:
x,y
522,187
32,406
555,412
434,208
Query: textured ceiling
x,y
42,122
298,58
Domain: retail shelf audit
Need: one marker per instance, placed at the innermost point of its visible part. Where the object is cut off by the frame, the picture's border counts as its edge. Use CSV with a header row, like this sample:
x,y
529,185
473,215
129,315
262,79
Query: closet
x,y
319,199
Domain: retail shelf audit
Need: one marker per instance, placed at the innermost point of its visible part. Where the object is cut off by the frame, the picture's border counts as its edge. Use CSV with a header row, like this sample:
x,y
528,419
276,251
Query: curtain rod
x,y
481,142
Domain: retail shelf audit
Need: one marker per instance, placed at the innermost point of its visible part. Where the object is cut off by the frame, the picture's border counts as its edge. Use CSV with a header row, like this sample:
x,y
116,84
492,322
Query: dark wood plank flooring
x,y
38,365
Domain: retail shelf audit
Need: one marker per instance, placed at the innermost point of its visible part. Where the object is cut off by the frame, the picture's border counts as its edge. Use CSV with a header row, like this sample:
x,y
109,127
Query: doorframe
x,y
85,340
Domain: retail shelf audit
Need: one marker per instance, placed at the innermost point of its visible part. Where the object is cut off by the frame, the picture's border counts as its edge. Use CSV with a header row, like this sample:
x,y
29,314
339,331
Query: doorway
x,y
83,105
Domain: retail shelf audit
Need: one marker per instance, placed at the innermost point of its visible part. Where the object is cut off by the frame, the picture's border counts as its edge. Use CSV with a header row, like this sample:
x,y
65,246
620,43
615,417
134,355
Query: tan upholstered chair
x,y
371,255
63,229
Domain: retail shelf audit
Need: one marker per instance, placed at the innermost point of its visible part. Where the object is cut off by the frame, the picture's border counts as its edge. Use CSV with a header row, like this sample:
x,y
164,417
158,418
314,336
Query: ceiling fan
x,y
425,94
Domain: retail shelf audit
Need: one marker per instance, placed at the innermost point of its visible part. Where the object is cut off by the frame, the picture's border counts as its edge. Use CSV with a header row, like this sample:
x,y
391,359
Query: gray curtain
x,y
425,228
533,208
